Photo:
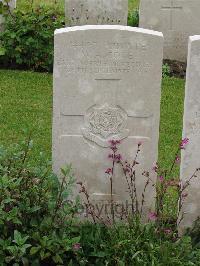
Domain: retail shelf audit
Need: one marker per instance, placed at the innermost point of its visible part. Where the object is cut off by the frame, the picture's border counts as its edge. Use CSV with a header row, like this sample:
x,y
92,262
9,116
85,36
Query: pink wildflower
x,y
114,142
177,159
152,216
184,195
155,167
167,231
161,178
173,183
108,171
127,170
118,158
183,143
76,246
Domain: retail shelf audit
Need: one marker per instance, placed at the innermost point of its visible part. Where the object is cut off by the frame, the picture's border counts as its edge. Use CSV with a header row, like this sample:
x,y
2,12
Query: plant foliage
x,y
35,218
133,18
27,39
39,226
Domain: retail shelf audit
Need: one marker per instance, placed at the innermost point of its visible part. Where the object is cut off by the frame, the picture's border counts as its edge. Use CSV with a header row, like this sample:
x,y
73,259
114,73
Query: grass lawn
x,y
26,103
26,4
172,103
133,4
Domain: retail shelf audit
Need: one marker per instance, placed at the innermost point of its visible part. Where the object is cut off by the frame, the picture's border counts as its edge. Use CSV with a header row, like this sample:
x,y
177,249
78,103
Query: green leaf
x,y
17,237
1,8
34,250
44,255
12,35
137,253
12,249
25,261
57,259
8,200
35,209
75,240
25,246
120,263
99,254
2,51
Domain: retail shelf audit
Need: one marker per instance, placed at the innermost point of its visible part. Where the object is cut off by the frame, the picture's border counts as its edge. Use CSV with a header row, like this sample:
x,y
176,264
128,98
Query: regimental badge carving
x,y
104,123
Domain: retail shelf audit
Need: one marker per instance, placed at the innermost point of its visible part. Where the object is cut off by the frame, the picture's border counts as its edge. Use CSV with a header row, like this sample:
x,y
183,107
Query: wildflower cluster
x,y
164,185
129,172
114,156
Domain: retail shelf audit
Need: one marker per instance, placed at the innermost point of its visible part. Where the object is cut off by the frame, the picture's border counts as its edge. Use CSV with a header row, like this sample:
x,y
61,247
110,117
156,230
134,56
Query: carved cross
x,y
171,8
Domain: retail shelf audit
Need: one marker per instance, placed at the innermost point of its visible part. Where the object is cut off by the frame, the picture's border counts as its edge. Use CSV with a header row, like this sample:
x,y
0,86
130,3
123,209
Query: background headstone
x,y
94,12
191,130
176,19
107,84
12,5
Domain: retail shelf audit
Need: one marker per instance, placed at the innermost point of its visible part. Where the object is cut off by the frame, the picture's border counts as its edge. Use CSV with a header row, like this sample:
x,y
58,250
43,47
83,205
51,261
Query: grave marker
x,y
94,12
176,19
107,82
191,129
171,8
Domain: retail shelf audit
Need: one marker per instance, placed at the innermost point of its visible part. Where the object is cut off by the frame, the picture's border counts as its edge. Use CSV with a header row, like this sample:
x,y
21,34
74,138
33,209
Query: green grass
x,y
133,4
24,4
26,103
171,118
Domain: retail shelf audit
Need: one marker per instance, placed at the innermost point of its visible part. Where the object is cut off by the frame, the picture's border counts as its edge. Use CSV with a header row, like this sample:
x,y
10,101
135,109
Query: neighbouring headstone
x,y
94,12
107,85
191,129
12,5
177,19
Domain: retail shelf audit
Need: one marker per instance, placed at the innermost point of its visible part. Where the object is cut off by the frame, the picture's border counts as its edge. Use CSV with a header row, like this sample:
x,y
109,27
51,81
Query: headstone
x,y
12,5
191,130
94,12
177,19
107,85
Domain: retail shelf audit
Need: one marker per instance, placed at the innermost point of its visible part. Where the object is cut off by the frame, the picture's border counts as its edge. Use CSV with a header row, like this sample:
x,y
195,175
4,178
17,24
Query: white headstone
x,y
107,85
94,12
191,130
12,5
177,19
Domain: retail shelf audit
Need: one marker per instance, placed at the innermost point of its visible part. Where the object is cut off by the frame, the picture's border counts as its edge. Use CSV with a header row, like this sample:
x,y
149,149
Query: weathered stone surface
x,y
107,83
191,130
12,5
177,19
94,12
